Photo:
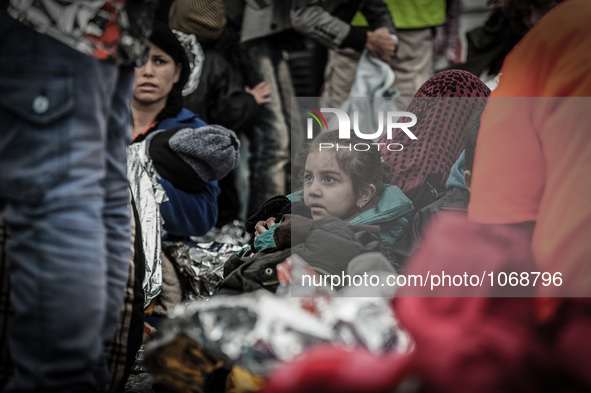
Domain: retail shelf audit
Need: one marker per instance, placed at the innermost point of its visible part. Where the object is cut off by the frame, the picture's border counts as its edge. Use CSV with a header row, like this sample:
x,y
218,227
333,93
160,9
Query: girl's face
x,y
328,191
154,81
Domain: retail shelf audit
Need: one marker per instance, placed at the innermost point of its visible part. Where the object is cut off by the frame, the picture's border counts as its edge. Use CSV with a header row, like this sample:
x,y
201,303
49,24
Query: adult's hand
x,y
381,44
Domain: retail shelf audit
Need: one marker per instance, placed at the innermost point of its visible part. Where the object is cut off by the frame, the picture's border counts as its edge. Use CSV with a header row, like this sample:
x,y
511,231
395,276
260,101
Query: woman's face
x,y
328,191
154,81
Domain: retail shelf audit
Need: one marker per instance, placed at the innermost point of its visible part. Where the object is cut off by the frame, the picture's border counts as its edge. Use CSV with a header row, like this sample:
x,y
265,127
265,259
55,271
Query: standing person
x,y
339,73
266,30
66,85
416,22
270,145
220,97
489,43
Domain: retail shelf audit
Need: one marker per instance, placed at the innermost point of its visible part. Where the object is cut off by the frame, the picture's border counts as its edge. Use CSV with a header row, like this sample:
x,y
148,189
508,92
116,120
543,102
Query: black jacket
x,y
454,199
220,97
328,247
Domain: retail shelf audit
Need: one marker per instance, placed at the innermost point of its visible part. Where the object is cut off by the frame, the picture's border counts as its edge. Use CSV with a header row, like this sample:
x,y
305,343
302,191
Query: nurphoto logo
x,y
388,119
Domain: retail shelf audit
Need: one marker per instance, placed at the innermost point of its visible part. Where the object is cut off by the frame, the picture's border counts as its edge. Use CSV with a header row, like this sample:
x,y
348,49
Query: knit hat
x,y
204,18
190,157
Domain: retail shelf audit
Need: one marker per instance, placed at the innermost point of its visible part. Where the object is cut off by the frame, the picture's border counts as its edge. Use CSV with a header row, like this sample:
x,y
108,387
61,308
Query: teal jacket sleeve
x,y
265,239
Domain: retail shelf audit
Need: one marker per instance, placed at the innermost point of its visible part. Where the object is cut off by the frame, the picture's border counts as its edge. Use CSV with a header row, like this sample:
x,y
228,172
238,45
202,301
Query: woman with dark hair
x,y
157,94
172,148
190,184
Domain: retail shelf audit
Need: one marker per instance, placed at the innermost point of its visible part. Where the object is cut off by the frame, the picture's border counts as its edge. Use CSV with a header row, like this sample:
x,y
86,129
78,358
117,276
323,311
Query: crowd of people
x,y
130,126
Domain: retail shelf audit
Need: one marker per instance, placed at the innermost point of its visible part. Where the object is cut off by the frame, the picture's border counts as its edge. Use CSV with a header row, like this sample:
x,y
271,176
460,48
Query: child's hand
x,y
263,226
260,92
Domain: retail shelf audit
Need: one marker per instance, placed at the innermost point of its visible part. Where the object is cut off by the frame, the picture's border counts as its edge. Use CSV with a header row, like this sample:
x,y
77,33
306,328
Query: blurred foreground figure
x,y
528,212
66,82
540,148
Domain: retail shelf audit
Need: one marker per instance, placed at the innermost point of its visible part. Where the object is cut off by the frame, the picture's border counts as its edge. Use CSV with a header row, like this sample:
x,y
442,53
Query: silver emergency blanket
x,y
258,330
202,260
203,263
232,233
148,194
195,57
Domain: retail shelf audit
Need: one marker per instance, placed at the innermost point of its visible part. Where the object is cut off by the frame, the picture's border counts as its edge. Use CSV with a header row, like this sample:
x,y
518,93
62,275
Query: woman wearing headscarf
x,y
175,148
443,106
174,164
189,156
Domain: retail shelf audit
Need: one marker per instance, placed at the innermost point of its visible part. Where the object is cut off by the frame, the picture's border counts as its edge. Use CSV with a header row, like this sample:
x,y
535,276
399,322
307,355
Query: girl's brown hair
x,y
364,167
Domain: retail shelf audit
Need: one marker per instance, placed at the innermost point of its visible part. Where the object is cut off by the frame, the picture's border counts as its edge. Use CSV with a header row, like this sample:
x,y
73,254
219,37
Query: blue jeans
x,y
64,197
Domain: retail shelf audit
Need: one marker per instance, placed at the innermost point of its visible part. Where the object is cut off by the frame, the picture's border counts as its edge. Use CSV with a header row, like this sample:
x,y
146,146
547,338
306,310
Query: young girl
x,y
345,181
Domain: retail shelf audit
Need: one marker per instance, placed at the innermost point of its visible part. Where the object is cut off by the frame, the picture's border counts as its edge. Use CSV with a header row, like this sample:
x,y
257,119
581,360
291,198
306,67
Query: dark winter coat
x,y
454,199
328,247
220,97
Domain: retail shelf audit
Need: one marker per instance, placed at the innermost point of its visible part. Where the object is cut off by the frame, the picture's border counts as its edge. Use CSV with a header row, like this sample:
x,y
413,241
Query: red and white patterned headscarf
x,y
442,117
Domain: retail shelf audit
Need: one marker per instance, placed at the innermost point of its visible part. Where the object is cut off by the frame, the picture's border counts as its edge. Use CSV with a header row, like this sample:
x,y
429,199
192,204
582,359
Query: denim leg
x,y
270,144
57,176
116,212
